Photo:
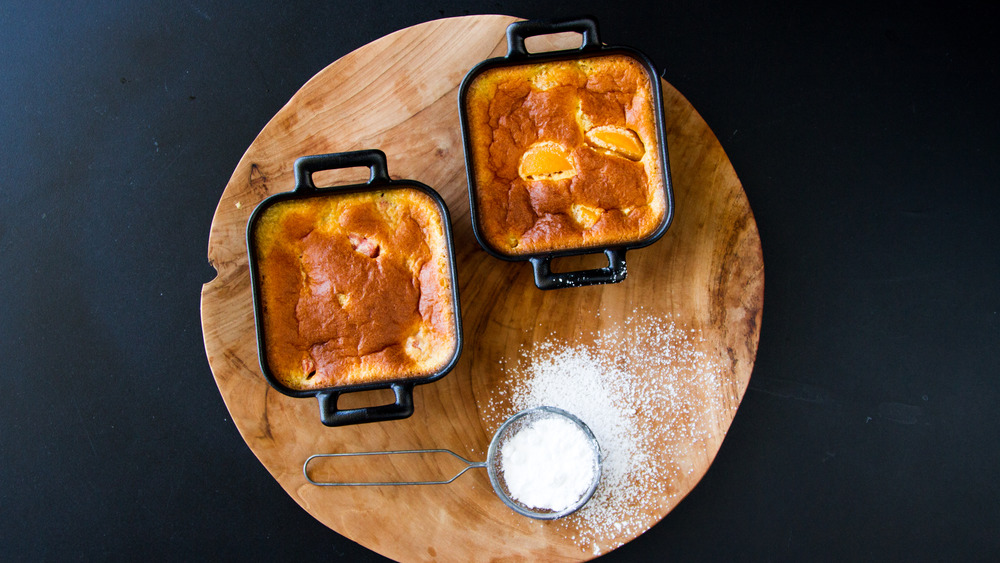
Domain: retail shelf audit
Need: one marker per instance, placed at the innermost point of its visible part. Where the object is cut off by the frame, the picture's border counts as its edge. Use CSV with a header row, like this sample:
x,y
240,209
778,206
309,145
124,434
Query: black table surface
x,y
866,138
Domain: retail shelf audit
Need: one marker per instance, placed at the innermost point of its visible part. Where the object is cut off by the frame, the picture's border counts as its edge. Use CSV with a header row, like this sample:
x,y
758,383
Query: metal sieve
x,y
493,463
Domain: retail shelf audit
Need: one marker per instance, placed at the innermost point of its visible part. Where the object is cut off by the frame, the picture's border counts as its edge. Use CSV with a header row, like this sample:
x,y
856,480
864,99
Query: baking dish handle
x,y
614,272
331,416
305,166
517,32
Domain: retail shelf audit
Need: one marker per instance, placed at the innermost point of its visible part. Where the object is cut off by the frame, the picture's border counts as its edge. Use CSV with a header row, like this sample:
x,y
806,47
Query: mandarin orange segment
x,y
620,140
585,215
546,161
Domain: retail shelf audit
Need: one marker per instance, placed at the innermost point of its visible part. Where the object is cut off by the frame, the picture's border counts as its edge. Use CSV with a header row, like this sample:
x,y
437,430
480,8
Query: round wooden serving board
x,y
704,280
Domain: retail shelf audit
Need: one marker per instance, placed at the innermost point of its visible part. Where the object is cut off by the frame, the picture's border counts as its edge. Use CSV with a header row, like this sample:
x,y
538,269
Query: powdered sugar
x,y
548,464
651,392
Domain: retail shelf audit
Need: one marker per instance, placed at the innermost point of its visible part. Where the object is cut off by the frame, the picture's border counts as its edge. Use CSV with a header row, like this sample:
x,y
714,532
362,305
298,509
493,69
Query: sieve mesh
x,y
494,461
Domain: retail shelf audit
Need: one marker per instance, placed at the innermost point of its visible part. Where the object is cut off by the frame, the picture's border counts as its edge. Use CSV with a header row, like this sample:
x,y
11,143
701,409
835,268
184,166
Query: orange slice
x,y
546,161
619,140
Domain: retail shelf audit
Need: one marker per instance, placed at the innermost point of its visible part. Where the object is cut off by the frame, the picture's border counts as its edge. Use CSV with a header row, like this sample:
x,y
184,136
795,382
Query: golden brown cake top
x,y
355,288
565,154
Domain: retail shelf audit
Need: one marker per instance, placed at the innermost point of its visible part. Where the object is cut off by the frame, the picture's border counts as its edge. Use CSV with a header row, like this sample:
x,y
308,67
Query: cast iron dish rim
x,y
372,186
584,51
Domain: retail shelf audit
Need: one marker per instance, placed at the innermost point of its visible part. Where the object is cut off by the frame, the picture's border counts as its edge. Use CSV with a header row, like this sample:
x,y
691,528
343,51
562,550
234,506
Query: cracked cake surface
x,y
565,154
355,288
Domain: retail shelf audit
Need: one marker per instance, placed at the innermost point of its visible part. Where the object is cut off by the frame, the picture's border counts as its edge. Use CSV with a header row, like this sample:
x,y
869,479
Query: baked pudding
x,y
355,288
565,155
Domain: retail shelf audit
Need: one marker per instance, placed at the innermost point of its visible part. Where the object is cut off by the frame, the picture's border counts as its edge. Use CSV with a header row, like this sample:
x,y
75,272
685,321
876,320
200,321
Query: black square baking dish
x,y
566,153
354,288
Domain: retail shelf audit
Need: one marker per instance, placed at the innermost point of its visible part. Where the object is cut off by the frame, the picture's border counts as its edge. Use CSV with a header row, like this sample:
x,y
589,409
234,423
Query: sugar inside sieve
x,y
543,462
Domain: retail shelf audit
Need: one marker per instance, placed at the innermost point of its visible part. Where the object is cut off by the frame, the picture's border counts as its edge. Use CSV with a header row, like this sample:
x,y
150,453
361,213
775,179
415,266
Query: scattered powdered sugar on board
x,y
651,393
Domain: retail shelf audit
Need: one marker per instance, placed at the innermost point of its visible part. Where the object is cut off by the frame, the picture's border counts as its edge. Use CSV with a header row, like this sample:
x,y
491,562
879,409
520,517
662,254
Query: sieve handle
x,y
468,465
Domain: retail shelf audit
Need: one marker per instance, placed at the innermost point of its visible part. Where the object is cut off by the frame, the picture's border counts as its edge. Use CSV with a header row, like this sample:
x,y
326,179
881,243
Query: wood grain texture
x,y
399,94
